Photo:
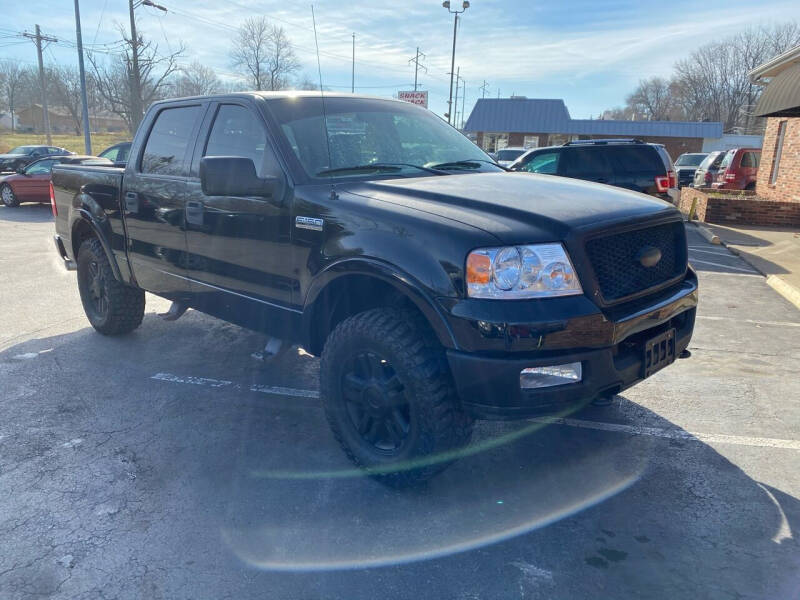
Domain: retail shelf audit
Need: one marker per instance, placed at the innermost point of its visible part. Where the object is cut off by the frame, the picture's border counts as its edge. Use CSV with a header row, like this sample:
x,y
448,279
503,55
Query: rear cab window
x,y
170,136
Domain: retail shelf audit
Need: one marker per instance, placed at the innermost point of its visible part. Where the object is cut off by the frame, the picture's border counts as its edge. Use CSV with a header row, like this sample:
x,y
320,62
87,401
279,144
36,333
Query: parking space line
x,y
672,434
751,321
713,264
710,252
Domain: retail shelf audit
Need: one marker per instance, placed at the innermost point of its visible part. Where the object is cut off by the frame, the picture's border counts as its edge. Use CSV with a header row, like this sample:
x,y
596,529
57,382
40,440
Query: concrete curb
x,y
706,233
787,290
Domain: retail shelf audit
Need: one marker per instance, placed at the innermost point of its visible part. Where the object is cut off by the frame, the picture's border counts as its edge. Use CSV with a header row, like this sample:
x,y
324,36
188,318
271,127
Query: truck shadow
x,y
202,466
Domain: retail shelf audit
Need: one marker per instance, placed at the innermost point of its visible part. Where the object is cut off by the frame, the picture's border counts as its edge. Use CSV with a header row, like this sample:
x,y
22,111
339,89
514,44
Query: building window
x,y
530,141
776,160
492,142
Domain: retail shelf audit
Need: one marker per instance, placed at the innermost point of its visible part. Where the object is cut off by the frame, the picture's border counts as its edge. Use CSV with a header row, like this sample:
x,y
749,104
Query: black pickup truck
x,y
436,286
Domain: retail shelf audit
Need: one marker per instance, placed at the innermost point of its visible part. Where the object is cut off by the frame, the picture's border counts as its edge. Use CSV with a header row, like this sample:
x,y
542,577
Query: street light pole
x,y
87,138
464,6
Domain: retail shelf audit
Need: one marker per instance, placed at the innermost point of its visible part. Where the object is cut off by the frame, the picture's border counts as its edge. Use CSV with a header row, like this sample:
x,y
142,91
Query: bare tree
x,y
264,54
64,86
711,84
304,82
116,82
13,78
196,80
652,99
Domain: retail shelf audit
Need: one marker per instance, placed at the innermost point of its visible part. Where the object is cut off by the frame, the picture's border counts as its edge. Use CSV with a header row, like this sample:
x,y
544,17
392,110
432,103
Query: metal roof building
x,y
535,121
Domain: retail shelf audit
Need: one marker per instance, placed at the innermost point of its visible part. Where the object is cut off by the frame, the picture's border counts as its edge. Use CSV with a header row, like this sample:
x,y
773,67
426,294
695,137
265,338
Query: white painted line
x,y
674,434
284,391
725,253
705,262
751,321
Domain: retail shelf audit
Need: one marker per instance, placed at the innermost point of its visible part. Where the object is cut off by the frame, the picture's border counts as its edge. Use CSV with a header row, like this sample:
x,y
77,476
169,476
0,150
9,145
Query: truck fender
x,y
401,281
84,221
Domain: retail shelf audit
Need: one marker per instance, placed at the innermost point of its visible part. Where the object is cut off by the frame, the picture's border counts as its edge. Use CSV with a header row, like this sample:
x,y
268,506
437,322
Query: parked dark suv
x,y
625,163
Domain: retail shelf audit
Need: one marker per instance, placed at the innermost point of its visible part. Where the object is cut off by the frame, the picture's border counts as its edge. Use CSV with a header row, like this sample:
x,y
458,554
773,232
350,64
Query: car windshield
x,y
21,150
689,160
509,155
399,138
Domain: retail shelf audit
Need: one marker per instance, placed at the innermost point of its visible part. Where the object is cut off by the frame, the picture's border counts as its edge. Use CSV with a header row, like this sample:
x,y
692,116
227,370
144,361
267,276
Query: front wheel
x,y
112,307
389,399
8,196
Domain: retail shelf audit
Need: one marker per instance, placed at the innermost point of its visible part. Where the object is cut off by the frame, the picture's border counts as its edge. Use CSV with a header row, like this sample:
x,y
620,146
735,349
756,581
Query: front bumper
x,y
609,346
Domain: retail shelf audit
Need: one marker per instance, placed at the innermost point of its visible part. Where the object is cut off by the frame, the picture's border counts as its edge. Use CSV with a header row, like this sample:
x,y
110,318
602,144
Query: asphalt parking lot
x,y
171,463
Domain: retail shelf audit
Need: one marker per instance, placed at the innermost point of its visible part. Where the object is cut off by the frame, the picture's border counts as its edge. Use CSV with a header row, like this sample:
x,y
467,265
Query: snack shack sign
x,y
420,98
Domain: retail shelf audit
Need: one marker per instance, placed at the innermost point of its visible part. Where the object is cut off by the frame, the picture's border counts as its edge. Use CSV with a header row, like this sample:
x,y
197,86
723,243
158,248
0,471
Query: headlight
x,y
534,271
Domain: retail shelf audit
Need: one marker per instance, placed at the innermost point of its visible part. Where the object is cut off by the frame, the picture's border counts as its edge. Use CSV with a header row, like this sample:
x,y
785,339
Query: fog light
x,y
539,377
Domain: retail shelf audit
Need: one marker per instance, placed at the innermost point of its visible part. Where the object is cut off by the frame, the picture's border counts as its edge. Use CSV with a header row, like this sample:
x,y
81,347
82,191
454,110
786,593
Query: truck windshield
x,y
362,132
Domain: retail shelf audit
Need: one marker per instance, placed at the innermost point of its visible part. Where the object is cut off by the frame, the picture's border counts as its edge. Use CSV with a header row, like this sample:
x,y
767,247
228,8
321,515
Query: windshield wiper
x,y
385,167
470,163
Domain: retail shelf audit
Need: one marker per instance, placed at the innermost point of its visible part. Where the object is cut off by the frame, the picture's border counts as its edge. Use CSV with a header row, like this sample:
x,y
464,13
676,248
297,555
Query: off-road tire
x,y
438,426
125,304
8,197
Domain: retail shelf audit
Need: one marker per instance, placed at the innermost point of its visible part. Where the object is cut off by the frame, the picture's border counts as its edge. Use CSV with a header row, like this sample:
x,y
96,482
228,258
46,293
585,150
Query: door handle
x,y
132,202
194,212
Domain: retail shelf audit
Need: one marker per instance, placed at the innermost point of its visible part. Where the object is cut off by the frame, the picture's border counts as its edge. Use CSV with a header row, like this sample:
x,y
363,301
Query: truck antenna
x,y
324,111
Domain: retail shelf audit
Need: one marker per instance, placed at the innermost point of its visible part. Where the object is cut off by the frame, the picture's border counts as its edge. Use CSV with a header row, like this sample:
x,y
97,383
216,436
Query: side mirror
x,y
20,170
233,176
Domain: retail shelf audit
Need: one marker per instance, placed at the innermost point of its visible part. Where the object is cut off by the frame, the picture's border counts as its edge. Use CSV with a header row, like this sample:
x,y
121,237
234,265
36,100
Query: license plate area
x,y
659,352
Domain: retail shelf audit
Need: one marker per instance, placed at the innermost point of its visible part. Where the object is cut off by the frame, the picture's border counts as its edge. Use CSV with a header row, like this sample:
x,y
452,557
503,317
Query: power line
x,y
38,38
417,66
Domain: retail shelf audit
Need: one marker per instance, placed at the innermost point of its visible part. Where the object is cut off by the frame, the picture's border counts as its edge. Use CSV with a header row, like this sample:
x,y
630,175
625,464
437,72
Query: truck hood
x,y
518,207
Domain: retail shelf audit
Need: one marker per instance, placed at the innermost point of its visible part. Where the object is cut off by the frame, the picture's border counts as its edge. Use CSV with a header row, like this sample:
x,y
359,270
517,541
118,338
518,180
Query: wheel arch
x,y
85,226
352,286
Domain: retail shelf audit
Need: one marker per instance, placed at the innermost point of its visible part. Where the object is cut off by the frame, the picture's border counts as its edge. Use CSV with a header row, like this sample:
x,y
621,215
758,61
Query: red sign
x,y
420,98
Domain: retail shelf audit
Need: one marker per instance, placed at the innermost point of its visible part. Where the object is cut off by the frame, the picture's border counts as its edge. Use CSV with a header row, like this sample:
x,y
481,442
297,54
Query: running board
x,y
175,311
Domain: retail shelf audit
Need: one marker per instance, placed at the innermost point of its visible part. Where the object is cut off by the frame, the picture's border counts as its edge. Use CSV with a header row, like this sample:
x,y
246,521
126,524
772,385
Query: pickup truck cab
x,y
435,286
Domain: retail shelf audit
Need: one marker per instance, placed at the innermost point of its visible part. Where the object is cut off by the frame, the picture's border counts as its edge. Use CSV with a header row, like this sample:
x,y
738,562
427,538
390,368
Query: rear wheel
x,y
388,397
8,196
750,186
112,307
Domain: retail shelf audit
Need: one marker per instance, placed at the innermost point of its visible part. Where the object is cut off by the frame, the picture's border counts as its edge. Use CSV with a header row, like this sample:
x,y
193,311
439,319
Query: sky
x,y
590,53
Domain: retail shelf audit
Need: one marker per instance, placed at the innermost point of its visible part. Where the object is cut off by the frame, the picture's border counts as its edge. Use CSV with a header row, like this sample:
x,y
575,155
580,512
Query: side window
x,y
750,159
237,132
122,155
56,151
165,150
546,163
40,168
110,154
637,159
585,162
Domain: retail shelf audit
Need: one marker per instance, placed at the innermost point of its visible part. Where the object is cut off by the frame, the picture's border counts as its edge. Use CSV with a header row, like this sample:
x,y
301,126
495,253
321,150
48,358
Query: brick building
x,y
536,122
779,172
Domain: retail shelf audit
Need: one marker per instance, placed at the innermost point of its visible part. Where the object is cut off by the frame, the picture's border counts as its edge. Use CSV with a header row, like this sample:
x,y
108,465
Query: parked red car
x,y
738,169
32,183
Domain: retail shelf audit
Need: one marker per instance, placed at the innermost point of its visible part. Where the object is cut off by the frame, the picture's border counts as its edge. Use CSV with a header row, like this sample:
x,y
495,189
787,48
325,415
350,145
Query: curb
x,y
787,290
706,233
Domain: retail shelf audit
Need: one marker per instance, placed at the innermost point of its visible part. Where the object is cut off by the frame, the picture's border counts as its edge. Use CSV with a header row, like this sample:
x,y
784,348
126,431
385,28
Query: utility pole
x,y
463,98
417,66
353,76
455,104
483,88
87,137
464,7
38,38
136,82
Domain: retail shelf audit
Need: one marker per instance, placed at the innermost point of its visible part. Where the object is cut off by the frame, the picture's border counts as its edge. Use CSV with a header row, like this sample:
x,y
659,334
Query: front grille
x,y
616,259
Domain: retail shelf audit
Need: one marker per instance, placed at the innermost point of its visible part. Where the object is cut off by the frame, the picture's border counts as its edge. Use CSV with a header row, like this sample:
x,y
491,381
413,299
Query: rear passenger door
x,y
153,197
589,164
